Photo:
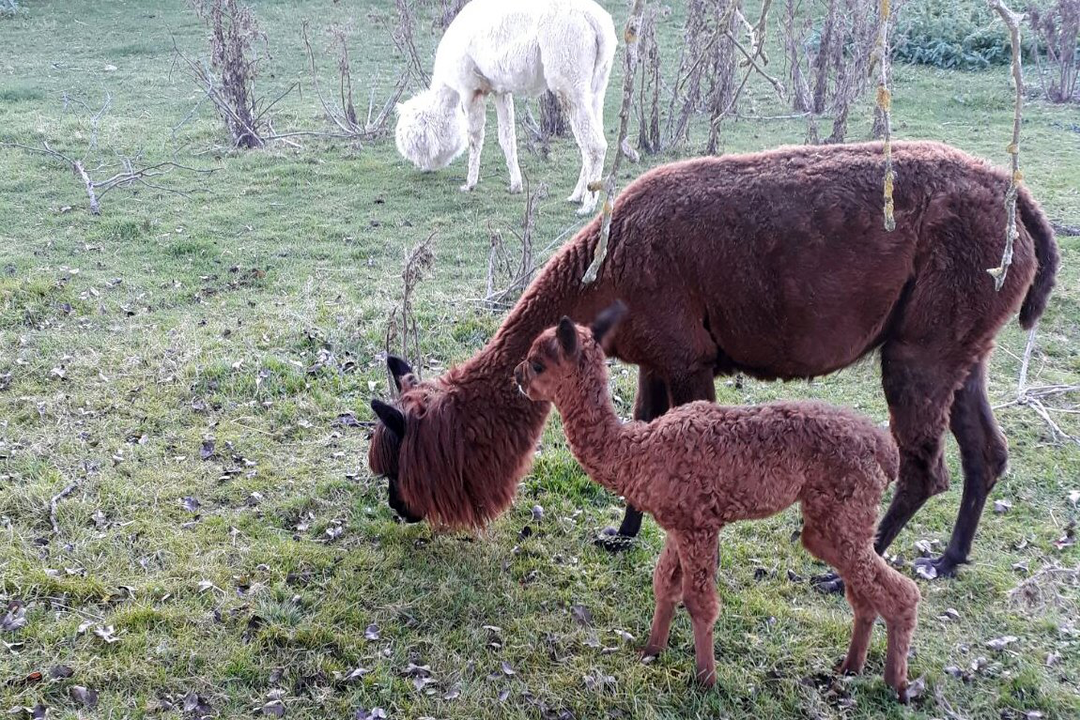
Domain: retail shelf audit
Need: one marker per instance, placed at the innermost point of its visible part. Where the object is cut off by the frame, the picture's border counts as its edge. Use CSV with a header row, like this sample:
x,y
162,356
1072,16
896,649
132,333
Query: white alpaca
x,y
513,46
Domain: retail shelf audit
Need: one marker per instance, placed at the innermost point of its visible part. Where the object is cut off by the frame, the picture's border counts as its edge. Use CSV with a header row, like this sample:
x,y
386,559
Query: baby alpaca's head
x,y
559,355
431,129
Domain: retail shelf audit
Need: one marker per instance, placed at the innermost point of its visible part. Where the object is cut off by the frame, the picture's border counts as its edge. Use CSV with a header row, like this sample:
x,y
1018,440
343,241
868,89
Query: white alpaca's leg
x,y
504,109
475,115
590,138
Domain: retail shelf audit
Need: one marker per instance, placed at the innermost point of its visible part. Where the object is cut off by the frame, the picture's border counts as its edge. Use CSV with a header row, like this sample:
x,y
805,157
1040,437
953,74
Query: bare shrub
x,y
1056,30
342,111
517,268
649,139
402,326
699,37
96,179
237,48
404,36
446,11
828,78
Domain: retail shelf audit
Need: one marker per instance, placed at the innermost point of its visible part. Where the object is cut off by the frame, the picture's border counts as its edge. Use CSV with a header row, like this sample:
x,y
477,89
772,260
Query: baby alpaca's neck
x,y
593,430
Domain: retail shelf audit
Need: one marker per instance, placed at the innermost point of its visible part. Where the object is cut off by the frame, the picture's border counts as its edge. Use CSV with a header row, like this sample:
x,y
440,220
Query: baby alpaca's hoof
x,y
846,669
706,678
612,541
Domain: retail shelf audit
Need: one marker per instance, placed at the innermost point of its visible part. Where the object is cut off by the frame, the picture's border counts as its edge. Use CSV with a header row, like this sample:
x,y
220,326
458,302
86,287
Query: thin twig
x,y
884,103
633,26
56,499
1012,21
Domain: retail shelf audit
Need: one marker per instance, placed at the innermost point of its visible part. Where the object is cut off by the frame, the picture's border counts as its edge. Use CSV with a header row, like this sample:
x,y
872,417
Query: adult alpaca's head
x,y
450,456
431,129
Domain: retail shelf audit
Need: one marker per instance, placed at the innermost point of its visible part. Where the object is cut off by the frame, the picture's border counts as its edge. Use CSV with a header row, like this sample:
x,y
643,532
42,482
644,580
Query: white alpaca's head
x,y
431,129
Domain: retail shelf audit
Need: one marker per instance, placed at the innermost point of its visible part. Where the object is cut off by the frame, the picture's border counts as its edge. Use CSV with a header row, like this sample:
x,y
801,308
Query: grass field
x,y
187,360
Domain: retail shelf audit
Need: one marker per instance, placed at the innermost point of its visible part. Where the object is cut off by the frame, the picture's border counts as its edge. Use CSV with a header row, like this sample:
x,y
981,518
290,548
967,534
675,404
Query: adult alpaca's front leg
x,y
504,109
475,115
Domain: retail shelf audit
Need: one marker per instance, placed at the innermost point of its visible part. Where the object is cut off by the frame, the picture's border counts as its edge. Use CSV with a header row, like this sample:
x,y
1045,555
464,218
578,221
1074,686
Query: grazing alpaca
x,y
701,466
513,46
772,264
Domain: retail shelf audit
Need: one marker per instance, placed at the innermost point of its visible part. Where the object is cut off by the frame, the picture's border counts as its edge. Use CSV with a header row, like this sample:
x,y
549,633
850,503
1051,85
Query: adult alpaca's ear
x,y
607,321
399,370
390,416
566,334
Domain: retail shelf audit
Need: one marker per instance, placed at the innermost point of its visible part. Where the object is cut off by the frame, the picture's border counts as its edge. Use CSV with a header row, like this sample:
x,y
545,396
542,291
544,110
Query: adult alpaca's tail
x,y
1046,253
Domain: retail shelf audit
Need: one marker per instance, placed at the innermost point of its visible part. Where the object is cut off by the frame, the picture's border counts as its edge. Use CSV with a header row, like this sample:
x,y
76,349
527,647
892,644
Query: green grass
x,y
134,337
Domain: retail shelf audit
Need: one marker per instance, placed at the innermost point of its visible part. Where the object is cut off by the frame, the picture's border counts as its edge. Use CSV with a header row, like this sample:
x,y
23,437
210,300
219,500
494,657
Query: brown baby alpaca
x,y
701,466
775,265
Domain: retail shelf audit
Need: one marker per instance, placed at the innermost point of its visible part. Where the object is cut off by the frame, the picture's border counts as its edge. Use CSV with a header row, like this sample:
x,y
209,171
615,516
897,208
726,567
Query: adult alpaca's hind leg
x,y
983,454
668,591
504,110
919,380
475,115
650,402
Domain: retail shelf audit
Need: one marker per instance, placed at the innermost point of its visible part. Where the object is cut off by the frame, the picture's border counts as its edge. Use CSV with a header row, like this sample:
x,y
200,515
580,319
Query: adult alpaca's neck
x,y
476,437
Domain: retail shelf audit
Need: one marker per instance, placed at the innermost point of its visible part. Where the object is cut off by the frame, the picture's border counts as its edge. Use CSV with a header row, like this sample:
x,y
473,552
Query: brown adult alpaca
x,y
775,265
702,466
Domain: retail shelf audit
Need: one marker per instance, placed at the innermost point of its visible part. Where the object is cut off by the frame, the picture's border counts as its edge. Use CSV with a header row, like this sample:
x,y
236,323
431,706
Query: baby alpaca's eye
x,y
537,367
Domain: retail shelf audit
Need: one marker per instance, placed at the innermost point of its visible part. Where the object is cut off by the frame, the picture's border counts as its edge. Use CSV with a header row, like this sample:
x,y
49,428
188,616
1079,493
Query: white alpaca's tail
x,y
606,43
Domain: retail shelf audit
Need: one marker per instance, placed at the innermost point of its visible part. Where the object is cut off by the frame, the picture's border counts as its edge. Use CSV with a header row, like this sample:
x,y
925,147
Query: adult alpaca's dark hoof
x,y
828,583
610,539
933,568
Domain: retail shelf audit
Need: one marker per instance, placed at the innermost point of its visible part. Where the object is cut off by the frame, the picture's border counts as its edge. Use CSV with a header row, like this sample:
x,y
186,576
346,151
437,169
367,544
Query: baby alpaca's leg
x,y
697,556
667,588
825,548
899,605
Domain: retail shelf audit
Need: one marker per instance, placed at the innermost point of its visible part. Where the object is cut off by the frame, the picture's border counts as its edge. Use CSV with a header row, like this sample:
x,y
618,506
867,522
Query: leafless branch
x,y
344,115
633,26
1012,21
520,273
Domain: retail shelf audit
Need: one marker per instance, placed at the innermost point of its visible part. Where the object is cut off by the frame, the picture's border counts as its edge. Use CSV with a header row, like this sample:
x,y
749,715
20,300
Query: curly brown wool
x,y
702,466
772,264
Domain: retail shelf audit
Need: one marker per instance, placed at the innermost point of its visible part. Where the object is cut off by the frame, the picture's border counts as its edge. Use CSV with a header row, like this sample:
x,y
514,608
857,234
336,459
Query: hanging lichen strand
x,y
1012,21
884,103
633,28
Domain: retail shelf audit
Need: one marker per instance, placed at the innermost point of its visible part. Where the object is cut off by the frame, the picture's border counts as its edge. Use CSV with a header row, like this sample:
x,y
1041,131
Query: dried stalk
x,y
418,262
1012,21
633,27
404,39
53,503
884,104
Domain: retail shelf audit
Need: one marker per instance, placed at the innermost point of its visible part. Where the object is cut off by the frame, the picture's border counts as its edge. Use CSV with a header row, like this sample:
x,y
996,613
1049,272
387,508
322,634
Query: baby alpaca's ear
x,y
607,321
567,335
391,417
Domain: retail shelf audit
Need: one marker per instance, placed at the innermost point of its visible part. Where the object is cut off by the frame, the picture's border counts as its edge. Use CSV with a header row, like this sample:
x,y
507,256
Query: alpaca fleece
x,y
702,466
501,47
776,265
